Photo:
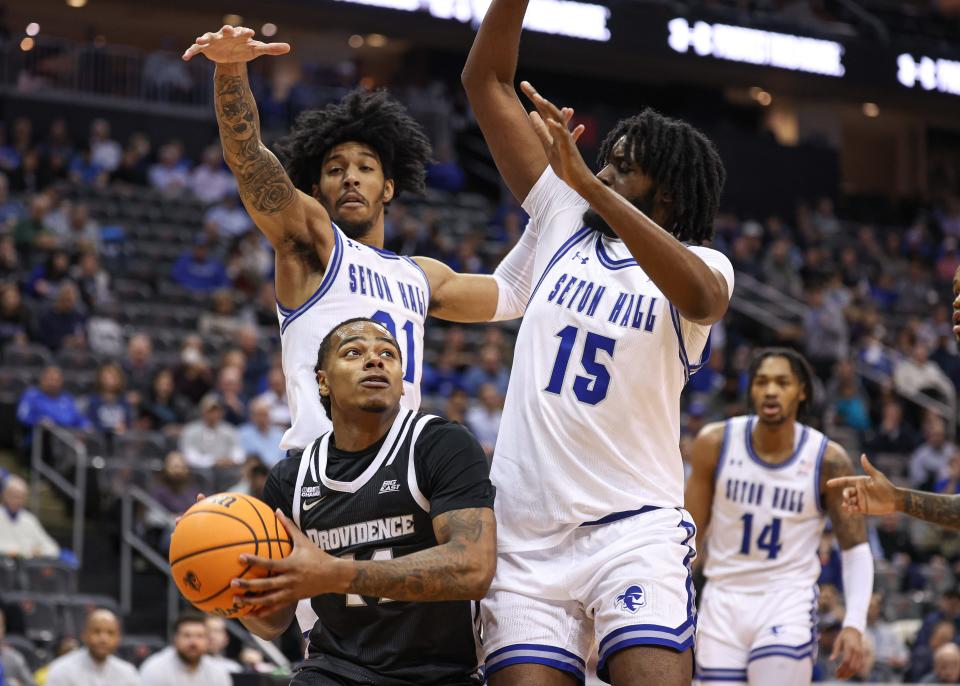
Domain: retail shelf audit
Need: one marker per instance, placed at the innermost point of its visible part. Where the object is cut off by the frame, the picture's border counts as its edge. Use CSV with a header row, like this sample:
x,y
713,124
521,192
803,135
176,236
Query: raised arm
x,y
296,224
488,78
698,498
873,494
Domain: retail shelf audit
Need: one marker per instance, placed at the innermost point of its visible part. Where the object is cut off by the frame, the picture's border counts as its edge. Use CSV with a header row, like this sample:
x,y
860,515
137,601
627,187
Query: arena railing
x,y
135,499
54,453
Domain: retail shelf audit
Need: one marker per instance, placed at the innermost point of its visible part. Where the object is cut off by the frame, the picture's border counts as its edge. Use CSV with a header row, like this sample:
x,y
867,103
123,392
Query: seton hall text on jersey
x,y
362,532
633,310
371,283
751,493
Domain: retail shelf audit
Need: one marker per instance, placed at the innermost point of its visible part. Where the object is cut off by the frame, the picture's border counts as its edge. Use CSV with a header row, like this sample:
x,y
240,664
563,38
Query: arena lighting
x,y
753,46
355,41
561,17
376,40
33,28
871,109
27,44
931,74
269,29
77,3
233,19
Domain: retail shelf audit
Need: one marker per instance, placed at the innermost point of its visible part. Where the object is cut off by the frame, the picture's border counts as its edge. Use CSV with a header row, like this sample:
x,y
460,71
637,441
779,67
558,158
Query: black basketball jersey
x,y
381,507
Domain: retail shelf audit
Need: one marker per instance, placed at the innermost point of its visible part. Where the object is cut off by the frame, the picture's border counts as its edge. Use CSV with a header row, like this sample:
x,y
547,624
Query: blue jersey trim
x,y
682,352
383,252
679,639
751,422
535,653
536,647
564,249
617,516
425,279
721,677
720,674
704,354
687,562
816,473
333,267
608,261
723,449
801,650
531,659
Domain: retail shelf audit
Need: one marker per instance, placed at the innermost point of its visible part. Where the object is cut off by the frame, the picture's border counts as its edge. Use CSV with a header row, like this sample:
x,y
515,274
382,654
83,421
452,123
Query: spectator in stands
x,y
257,360
95,663
48,401
171,173
250,262
483,417
10,269
265,307
939,627
104,151
139,365
276,398
848,402
929,462
223,321
186,662
917,374
192,377
230,394
14,667
80,233
108,409
457,405
134,163
64,645
889,649
445,174
410,239
893,435
162,408
175,487
824,332
228,217
31,231
85,171
259,437
210,441
198,270
11,209
21,533
32,175
442,378
489,370
219,640
950,484
92,281
61,324
14,318
210,181
254,477
780,271
946,666
46,278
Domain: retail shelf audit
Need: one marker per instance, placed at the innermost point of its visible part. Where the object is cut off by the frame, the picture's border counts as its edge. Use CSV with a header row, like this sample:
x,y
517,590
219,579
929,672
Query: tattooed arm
x,y
849,527
459,568
296,224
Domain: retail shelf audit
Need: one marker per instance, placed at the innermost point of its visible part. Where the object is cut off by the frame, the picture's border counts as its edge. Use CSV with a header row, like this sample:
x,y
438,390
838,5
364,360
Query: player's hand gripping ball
x,y
207,543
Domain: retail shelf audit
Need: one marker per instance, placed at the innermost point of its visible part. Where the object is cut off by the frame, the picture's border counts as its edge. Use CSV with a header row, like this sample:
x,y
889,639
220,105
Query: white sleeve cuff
x,y
514,276
857,571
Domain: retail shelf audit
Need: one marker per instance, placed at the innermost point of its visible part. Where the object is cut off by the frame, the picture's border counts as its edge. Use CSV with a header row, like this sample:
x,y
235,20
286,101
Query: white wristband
x,y
857,571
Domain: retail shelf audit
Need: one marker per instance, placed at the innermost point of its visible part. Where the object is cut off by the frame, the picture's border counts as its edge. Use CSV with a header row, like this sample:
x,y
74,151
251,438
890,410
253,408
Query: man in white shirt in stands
x,y
210,441
21,533
95,663
186,662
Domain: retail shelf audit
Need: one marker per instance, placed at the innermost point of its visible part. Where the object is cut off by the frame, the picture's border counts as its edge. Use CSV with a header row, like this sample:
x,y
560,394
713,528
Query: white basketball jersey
x,y
591,422
360,281
767,518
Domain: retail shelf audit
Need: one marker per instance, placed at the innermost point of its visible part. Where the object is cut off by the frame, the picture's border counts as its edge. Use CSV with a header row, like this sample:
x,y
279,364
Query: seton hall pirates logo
x,y
632,599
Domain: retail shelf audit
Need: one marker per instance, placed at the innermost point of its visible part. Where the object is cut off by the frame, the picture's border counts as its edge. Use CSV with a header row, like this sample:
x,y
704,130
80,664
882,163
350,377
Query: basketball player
x,y
395,508
873,494
758,494
593,542
324,216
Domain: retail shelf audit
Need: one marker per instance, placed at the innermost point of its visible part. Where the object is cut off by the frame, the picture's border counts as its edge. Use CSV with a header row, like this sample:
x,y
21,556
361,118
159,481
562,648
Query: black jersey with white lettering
x,y
378,504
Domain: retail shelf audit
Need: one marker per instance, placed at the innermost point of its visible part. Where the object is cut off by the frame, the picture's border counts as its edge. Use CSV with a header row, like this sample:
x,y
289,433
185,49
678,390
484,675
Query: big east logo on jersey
x,y
632,599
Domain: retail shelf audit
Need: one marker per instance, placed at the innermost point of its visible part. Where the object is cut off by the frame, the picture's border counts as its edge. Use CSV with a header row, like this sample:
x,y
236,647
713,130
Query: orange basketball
x,y
207,543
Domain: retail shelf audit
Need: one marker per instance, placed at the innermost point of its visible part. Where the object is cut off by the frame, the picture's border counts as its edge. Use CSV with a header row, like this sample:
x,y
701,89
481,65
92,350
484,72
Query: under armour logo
x,y
776,629
583,258
352,244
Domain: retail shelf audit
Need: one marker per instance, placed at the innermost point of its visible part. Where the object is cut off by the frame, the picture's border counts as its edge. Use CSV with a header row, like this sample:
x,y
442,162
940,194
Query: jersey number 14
x,y
768,540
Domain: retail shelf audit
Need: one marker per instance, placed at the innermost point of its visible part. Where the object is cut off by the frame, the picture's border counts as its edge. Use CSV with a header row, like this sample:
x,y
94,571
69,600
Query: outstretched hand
x,y
872,494
551,125
232,44
306,572
848,647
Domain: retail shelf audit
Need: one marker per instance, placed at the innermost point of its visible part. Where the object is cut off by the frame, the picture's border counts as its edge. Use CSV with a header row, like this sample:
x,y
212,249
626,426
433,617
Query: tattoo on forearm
x,y
933,507
445,572
262,180
849,528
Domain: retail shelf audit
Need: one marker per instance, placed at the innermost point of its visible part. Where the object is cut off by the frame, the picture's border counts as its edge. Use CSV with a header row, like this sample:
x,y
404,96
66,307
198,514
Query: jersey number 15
x,y
588,389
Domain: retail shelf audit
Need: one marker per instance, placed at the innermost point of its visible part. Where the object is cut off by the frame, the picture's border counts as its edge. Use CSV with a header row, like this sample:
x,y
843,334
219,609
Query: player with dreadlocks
x,y
619,318
322,208
758,492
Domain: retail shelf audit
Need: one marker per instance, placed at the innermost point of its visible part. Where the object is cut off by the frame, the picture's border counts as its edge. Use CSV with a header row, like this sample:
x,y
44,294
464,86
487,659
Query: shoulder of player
x,y
444,435
707,446
286,469
835,462
712,434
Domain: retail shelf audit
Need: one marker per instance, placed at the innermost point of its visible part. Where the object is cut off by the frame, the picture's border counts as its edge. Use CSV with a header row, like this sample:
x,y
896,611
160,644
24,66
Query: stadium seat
x,y
74,609
141,445
26,355
136,649
41,621
35,655
78,359
42,575
10,573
